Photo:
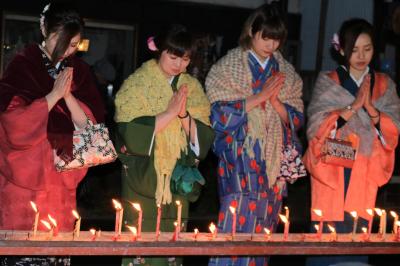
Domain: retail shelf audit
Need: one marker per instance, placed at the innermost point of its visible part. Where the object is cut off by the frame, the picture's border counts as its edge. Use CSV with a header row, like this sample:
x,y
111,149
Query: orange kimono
x,y
369,171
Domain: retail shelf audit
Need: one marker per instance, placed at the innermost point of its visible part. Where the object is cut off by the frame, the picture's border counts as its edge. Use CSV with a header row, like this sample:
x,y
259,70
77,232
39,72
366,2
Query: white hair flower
x,y
42,16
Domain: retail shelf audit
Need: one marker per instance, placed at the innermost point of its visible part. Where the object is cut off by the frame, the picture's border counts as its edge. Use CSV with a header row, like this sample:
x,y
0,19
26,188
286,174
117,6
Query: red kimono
x,y
29,136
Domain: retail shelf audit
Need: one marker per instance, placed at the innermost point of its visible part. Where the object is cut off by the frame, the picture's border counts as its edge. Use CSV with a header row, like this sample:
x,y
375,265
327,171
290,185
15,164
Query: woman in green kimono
x,y
162,115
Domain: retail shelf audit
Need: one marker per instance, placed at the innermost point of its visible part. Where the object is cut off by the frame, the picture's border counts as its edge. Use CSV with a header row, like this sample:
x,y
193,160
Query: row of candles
x,y
136,231
366,230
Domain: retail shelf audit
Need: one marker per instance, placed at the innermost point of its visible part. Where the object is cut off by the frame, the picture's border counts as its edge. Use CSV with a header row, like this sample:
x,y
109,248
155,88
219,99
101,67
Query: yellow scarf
x,y
147,93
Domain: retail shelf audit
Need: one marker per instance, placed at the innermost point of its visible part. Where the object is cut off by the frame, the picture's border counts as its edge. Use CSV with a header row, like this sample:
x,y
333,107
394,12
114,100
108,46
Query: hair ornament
x,y
335,42
42,16
151,45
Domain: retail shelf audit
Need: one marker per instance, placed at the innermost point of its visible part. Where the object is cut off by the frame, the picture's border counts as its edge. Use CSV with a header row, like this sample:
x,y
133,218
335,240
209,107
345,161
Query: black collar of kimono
x,y
349,84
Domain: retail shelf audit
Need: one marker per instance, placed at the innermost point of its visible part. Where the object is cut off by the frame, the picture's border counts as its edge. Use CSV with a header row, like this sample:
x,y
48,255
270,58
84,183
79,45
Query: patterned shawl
x,y
230,79
329,96
147,93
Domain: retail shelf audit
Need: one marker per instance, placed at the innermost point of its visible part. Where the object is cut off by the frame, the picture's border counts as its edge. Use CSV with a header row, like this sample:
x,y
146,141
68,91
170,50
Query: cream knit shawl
x,y
230,79
147,93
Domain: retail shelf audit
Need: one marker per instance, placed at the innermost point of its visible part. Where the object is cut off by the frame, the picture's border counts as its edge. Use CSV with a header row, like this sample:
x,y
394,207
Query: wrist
x,y
183,116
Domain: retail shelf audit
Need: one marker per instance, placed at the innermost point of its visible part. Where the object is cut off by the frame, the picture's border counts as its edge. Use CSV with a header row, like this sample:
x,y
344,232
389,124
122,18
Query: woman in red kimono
x,y
45,94
360,105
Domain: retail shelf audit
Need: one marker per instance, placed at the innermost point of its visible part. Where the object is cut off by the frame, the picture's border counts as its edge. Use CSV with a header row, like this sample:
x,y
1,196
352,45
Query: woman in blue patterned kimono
x,y
254,93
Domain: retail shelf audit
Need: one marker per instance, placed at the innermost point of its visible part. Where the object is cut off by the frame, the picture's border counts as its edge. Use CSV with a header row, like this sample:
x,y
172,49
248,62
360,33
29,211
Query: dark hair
x,y
66,22
349,32
175,40
267,19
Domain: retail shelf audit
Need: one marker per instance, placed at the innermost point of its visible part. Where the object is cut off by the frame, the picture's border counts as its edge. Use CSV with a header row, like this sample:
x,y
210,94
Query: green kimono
x,y
136,143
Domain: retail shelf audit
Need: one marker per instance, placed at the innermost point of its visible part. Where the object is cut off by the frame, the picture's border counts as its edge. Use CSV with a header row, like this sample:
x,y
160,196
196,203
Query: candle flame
x,y
196,231
178,202
117,204
370,212
283,218
398,223
212,228
364,229
232,209
175,223
267,231
34,206
316,226
378,211
317,212
158,205
52,220
92,231
137,206
286,208
331,228
394,214
132,229
46,223
354,214
76,214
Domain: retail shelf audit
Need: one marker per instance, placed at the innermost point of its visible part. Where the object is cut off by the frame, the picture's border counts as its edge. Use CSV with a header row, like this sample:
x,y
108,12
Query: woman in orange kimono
x,y
356,104
45,93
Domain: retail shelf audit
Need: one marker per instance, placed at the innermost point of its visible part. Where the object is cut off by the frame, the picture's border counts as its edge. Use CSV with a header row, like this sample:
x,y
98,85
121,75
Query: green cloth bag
x,y
187,181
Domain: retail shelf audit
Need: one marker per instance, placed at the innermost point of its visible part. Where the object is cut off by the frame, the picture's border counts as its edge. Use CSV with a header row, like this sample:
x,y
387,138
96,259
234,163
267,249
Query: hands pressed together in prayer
x,y
177,103
62,89
270,92
363,100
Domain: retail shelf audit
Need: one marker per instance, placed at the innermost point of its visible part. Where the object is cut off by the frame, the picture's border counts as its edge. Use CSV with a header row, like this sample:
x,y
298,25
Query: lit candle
x,y
93,232
398,231
371,218
321,222
316,226
48,226
333,232
233,212
286,228
176,232
140,218
134,232
54,225
396,218
267,233
365,233
119,213
158,221
213,230
382,221
195,233
35,223
355,217
179,214
287,212
77,228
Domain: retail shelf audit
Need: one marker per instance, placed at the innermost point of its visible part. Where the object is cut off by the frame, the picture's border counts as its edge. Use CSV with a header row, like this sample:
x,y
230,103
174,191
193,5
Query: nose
x,y
178,62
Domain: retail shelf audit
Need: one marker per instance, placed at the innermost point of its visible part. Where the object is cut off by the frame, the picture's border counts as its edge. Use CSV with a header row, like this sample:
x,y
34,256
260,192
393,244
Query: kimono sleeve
x,y
137,136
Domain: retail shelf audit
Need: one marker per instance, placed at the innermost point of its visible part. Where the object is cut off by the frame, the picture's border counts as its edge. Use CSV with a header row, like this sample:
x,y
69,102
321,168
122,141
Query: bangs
x,y
275,29
180,46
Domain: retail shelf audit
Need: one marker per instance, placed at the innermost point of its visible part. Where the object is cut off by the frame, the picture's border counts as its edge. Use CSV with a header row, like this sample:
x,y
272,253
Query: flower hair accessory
x,y
42,16
335,42
151,45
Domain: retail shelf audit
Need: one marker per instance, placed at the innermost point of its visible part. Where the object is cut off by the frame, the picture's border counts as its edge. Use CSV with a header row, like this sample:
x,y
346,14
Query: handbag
x,y
91,146
338,152
292,166
186,179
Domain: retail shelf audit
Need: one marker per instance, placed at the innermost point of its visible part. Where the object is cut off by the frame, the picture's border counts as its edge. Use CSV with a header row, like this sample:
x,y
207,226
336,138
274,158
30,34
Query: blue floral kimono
x,y
243,181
